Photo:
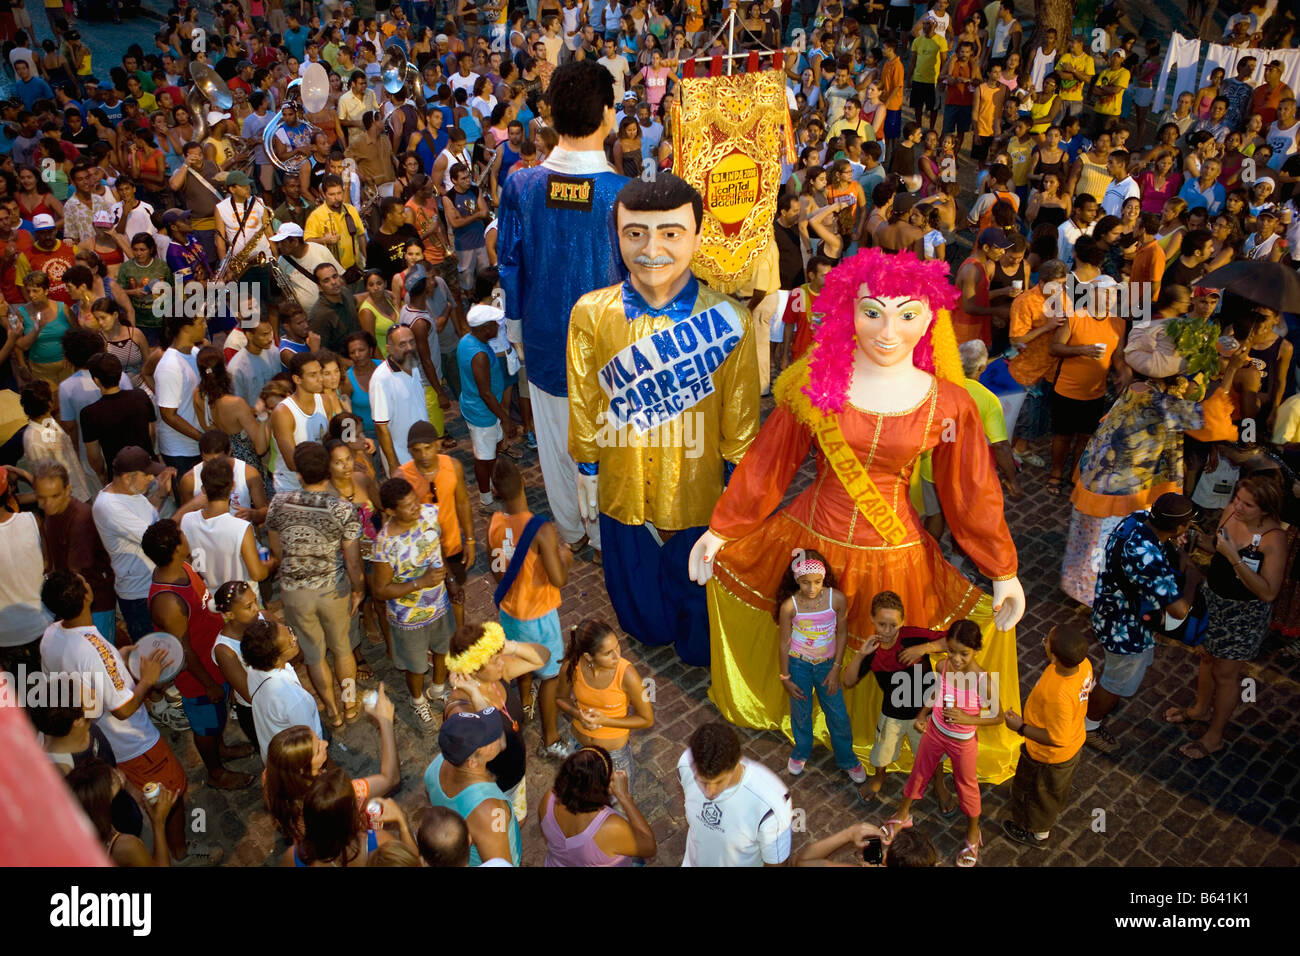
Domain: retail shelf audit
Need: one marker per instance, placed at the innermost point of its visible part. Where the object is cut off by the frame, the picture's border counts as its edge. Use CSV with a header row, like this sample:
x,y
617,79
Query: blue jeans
x,y
106,623
809,677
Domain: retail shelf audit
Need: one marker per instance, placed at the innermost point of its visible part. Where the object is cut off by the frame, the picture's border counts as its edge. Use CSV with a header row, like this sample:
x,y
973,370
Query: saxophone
x,y
233,266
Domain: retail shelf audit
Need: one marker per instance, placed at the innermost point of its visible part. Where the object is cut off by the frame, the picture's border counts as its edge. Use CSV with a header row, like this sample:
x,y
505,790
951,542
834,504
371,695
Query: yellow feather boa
x,y
480,652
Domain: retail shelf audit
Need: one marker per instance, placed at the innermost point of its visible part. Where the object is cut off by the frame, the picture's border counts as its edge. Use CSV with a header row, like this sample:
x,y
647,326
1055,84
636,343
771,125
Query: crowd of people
x,y
270,479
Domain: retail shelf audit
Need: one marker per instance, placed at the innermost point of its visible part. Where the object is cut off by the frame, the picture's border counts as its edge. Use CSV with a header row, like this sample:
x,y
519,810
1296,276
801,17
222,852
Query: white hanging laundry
x,y
1042,66
1182,57
1217,55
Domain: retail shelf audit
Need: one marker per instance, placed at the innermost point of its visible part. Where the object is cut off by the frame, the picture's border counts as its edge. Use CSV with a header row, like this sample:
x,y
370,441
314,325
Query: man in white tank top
x,y
299,418
222,547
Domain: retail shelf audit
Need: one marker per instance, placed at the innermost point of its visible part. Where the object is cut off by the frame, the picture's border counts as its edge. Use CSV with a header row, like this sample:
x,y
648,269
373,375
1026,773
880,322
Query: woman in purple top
x,y
580,826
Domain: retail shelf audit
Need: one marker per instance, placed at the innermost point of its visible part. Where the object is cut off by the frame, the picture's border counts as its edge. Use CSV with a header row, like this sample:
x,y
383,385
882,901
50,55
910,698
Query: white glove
x,y
1008,603
589,497
702,555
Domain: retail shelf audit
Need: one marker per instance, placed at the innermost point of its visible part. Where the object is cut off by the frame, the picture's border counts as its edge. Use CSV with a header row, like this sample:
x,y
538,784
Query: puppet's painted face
x,y
889,327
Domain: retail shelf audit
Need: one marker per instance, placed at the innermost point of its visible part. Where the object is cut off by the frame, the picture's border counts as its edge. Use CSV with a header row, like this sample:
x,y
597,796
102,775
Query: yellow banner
x,y
728,139
856,481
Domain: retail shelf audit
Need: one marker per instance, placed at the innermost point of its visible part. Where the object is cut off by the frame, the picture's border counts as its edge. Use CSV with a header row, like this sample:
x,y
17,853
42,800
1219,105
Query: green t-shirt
x,y
927,50
132,275
48,347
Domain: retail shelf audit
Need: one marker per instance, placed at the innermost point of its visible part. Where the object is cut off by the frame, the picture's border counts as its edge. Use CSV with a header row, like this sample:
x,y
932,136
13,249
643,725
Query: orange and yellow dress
x,y
826,517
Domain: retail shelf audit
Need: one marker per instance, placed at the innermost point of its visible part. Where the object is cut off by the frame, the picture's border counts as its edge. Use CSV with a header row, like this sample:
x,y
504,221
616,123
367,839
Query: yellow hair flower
x,y
480,652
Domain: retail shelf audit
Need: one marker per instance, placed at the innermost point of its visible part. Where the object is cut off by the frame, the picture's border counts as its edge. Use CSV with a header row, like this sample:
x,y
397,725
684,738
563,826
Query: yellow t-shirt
x,y
1072,89
991,416
322,222
1110,105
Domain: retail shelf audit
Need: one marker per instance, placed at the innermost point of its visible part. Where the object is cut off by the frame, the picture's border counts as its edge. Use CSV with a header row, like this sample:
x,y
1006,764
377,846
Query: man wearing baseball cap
x,y
242,220
1137,587
298,260
50,255
973,317
459,779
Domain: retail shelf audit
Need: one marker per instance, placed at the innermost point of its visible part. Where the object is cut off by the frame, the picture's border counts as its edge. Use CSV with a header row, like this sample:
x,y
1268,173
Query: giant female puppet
x,y
881,385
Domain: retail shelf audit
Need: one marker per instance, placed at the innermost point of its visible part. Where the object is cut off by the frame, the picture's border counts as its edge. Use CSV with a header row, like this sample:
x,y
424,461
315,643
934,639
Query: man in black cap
x,y
459,779
1145,578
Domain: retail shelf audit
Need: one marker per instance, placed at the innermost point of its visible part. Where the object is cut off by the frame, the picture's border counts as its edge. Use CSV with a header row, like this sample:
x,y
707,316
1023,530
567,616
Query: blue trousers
x,y
135,612
106,623
809,677
651,589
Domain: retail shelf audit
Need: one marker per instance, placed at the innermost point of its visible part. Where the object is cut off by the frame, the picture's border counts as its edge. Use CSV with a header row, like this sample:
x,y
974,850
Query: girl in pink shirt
x,y
949,723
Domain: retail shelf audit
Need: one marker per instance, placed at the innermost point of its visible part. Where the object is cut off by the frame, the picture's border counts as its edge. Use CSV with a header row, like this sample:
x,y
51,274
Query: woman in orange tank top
x,y
598,687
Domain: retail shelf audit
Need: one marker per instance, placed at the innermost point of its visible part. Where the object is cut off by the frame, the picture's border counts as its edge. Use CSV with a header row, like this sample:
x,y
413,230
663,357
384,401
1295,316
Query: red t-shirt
x,y
205,626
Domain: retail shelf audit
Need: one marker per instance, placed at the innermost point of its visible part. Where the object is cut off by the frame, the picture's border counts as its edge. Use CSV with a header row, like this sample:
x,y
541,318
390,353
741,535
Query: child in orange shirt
x,y
1054,733
529,602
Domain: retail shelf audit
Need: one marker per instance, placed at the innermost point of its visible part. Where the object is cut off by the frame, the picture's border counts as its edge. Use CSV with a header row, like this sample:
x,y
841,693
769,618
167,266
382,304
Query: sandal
x,y
353,713
1182,715
334,721
970,853
892,828
1196,750
950,808
1055,484
364,671
578,545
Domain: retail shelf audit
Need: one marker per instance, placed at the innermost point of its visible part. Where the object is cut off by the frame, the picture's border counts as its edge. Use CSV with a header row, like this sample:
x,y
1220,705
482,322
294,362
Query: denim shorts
x,y
1122,673
206,718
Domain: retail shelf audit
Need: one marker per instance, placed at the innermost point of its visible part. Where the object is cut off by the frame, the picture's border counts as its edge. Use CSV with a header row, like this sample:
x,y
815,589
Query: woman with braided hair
x,y
881,385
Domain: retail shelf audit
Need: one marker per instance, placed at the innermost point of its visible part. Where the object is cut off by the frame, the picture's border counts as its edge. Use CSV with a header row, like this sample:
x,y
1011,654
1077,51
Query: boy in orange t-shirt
x,y
1054,733
529,611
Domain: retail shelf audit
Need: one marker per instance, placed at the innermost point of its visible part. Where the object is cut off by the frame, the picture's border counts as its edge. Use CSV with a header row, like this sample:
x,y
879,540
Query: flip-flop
x,y
364,671
892,828
578,545
1194,751
1180,715
951,808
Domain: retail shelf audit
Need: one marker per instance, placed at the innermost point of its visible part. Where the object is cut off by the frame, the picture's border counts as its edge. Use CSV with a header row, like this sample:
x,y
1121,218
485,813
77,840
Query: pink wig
x,y
884,274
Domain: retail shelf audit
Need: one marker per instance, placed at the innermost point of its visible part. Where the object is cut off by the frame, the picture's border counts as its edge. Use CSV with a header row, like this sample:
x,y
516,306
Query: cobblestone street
x,y
1147,806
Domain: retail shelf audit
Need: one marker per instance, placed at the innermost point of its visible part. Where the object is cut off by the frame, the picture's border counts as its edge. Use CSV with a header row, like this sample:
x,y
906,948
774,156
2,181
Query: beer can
x,y
375,810
151,791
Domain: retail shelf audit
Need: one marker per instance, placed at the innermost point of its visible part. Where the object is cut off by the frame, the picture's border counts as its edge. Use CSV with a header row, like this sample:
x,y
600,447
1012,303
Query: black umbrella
x,y
1269,284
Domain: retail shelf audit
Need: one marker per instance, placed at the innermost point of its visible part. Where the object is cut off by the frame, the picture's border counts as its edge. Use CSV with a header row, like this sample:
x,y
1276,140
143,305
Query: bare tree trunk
x,y
1055,15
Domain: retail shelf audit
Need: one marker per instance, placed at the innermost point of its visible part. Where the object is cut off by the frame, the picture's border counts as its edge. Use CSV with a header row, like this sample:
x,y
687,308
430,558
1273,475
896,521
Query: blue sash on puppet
x,y
652,383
